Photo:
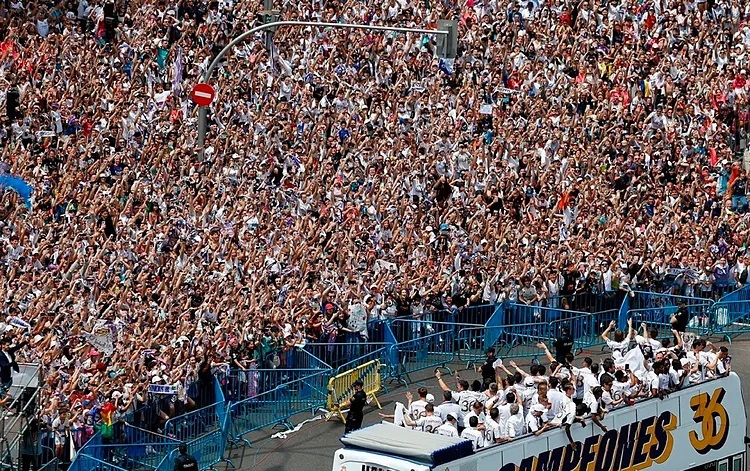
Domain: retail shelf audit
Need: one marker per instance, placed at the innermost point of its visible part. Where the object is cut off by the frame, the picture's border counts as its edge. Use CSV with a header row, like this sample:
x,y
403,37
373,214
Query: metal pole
x,y
202,113
202,118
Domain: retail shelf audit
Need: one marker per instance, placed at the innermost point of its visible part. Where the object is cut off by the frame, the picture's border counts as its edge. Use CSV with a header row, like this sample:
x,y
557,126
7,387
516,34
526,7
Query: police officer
x,y
185,462
356,408
563,345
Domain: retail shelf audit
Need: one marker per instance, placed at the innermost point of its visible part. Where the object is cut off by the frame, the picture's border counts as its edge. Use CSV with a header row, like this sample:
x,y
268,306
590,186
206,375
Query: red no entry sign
x,y
203,94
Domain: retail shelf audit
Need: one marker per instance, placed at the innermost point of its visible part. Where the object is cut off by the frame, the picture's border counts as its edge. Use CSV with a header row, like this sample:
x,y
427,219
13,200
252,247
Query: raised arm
x,y
544,347
441,383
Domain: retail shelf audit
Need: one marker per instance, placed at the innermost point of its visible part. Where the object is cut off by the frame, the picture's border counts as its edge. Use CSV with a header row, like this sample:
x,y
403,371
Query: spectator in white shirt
x,y
535,422
721,366
448,407
471,433
417,408
429,423
619,342
568,415
477,411
494,428
556,399
515,425
448,429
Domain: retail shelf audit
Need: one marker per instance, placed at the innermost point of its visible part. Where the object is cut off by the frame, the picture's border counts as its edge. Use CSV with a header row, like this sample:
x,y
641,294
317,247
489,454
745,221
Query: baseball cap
x,y
450,418
329,306
430,398
538,408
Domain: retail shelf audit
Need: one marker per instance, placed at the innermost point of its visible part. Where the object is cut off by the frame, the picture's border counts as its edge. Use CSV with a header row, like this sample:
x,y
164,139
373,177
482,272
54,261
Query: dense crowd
x,y
349,175
509,402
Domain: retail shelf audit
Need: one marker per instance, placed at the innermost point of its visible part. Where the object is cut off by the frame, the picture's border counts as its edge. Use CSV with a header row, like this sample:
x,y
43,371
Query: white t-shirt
x,y
516,425
589,382
621,347
620,390
607,400
556,400
492,431
447,430
416,409
446,408
429,423
534,423
464,399
590,400
568,414
480,417
476,437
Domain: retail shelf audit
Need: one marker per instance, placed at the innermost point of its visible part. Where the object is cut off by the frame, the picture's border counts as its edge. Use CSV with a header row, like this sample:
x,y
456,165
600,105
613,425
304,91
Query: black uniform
x,y
488,371
356,411
563,345
185,462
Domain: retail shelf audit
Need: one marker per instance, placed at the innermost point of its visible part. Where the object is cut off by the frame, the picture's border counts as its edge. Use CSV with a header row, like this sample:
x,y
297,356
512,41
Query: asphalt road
x,y
313,446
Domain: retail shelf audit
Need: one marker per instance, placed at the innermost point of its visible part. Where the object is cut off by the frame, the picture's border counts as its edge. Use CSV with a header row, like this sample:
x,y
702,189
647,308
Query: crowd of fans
x,y
349,175
508,403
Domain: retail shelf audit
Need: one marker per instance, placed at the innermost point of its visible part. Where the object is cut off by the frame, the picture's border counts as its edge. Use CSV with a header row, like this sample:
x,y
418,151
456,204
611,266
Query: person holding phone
x,y
721,365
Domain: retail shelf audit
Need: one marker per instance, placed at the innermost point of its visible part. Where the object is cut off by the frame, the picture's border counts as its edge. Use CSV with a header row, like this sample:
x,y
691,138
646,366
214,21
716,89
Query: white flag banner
x,y
102,338
635,360
398,415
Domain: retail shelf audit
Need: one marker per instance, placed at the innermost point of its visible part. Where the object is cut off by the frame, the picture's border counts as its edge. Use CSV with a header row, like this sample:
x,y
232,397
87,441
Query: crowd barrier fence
x,y
208,449
341,387
730,316
426,352
343,355
279,405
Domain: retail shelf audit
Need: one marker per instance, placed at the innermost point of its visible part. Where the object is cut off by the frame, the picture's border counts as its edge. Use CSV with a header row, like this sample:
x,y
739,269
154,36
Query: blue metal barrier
x,y
338,355
409,329
279,405
208,449
352,355
656,310
128,457
427,352
731,314
587,301
238,384
196,423
474,315
473,342
494,326
518,328
84,462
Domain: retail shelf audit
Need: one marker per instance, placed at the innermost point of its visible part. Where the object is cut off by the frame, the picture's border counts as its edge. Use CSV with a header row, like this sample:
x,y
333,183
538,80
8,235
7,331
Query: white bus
x,y
698,428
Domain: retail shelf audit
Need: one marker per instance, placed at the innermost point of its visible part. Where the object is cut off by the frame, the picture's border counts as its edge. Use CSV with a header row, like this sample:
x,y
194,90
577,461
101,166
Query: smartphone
x,y
729,359
627,367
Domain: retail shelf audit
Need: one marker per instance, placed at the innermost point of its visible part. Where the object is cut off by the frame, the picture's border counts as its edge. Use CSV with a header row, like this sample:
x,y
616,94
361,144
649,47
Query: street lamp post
x,y
447,35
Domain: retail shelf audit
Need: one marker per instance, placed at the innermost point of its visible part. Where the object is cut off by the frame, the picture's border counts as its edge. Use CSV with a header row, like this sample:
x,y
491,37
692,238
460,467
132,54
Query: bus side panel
x,y
346,459
512,453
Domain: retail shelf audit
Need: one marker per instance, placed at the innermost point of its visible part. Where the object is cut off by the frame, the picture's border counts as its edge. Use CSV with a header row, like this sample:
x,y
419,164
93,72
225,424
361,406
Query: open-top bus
x,y
701,427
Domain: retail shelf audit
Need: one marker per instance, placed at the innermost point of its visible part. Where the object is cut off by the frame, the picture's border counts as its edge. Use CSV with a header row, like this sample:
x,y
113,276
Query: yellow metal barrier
x,y
341,388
